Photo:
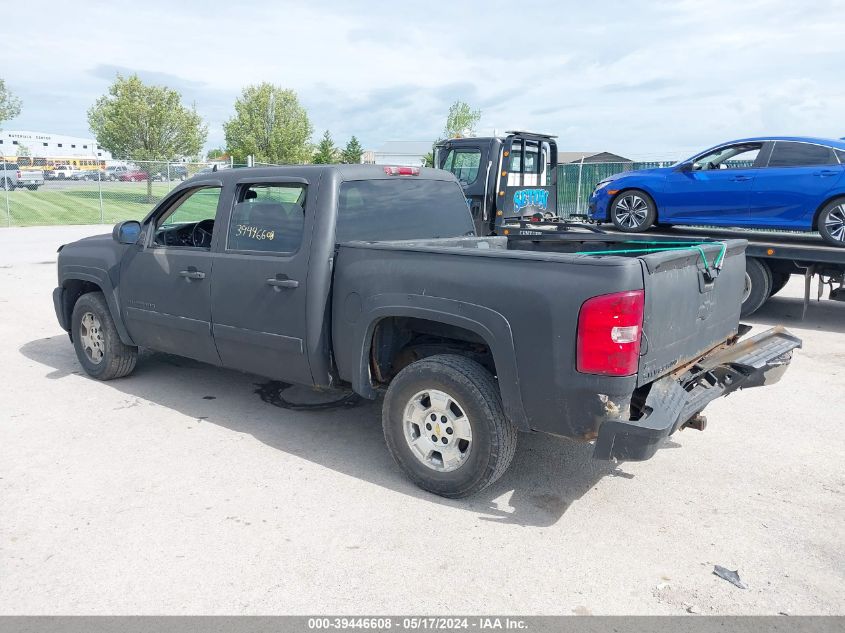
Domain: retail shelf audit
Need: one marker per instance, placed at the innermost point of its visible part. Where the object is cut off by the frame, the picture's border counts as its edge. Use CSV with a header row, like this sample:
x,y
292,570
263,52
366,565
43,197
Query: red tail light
x,y
402,171
609,334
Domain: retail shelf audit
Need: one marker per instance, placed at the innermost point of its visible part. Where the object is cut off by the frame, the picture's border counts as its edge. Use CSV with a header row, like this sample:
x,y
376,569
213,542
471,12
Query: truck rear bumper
x,y
673,400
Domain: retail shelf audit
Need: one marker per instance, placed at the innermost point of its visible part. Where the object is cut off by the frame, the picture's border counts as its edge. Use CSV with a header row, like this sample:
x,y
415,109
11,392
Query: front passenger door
x,y
258,292
165,290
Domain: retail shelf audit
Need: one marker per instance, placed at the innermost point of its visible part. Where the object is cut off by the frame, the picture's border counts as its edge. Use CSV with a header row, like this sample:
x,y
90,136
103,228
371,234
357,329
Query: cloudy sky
x,y
643,79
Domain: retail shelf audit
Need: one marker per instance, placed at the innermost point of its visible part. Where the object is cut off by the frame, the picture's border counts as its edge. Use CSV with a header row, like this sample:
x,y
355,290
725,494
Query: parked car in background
x,y
114,172
780,183
90,174
171,173
13,177
133,175
62,172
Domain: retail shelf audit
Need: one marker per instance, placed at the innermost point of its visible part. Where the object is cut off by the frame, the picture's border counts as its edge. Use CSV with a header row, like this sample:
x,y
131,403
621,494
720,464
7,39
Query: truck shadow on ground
x,y
821,315
547,475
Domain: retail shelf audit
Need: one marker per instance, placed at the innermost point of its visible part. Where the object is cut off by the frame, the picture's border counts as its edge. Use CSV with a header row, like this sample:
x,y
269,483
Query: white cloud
x,y
641,79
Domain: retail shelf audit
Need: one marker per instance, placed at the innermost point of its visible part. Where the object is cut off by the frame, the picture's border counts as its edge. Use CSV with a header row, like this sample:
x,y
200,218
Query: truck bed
x,y
690,306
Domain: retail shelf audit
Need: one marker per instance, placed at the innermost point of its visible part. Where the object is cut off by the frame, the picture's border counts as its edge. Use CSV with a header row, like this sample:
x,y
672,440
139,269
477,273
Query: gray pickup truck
x,y
370,278
13,177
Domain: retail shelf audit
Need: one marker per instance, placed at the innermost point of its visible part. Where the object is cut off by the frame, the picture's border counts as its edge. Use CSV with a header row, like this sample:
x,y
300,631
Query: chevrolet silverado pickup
x,y
372,279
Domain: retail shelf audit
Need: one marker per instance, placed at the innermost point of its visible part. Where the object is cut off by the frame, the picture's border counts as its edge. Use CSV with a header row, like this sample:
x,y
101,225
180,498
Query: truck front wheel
x,y
445,426
98,346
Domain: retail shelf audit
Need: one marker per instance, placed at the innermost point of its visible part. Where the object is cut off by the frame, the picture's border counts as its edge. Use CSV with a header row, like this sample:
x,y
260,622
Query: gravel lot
x,y
178,490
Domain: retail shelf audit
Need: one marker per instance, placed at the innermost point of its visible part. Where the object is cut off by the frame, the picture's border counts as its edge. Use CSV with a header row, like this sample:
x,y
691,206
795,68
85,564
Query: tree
x,y
352,153
461,120
269,124
216,154
10,105
146,123
326,150
24,151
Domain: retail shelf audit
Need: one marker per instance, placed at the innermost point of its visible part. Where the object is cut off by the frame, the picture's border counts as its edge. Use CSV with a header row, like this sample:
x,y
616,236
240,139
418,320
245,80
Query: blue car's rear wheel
x,y
832,222
633,211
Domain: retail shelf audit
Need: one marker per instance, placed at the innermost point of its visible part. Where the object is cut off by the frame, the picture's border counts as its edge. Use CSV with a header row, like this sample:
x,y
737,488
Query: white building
x,y
54,147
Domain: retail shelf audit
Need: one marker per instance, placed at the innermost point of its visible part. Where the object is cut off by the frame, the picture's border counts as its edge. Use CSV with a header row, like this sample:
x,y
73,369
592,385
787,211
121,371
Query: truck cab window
x,y
189,221
464,163
268,218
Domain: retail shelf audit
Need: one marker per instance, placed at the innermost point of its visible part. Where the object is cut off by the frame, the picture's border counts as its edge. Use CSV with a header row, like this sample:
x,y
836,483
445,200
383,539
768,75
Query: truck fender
x,y
101,279
488,324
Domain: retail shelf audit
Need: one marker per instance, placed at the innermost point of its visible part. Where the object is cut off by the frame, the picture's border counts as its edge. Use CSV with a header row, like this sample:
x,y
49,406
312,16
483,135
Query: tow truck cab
x,y
503,178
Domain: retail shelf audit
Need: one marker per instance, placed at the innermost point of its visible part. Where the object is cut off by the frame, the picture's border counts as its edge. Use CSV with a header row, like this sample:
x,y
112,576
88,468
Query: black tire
x,y
118,359
493,442
779,280
32,187
758,279
633,211
831,223
6,184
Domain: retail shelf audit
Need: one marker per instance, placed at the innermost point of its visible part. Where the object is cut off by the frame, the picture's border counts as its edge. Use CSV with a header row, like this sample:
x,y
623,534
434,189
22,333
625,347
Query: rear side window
x,y
401,208
790,154
840,154
268,218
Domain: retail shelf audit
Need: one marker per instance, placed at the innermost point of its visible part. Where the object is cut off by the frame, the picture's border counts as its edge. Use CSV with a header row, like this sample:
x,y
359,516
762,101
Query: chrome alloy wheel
x,y
835,223
91,337
437,430
631,210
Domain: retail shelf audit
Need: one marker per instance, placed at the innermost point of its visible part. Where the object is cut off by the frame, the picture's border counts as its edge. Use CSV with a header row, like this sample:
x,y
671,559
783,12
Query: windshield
x,y
404,208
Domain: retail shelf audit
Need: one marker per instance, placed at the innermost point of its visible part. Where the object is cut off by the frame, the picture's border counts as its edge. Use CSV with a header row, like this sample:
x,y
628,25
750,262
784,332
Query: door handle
x,y
741,178
282,283
825,173
192,274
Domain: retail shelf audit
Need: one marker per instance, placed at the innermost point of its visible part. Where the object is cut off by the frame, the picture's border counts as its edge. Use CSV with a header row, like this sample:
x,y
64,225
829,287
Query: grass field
x,y
79,203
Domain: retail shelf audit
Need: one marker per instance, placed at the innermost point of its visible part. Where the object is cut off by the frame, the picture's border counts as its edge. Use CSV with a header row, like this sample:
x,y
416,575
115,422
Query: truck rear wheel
x,y
98,346
758,286
779,281
445,426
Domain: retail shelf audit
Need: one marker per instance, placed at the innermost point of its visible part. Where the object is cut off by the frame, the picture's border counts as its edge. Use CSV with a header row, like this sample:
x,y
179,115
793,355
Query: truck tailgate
x,y
690,306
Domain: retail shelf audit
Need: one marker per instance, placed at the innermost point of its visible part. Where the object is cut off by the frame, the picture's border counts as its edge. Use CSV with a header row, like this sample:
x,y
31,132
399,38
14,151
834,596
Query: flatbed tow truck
x,y
510,184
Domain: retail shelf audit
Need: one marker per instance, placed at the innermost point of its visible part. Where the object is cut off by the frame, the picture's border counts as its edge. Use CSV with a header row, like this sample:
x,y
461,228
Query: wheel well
x,y
75,288
399,341
643,191
818,212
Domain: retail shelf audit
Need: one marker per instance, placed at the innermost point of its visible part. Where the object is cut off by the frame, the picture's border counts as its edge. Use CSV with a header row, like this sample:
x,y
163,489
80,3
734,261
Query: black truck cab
x,y
503,178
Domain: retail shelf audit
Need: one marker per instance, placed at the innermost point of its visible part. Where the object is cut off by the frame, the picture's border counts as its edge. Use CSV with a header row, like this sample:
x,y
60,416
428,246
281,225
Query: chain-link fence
x,y
576,181
104,193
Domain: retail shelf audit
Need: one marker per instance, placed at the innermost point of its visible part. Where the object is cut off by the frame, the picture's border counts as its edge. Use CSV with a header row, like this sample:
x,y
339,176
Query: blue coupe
x,y
784,183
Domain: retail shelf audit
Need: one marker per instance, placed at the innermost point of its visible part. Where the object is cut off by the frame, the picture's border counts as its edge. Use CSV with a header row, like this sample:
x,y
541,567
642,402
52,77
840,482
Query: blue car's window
x,y
732,157
790,154
840,153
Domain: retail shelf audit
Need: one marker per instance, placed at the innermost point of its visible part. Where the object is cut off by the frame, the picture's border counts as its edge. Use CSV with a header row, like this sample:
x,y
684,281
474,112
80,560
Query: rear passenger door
x,y
796,181
258,290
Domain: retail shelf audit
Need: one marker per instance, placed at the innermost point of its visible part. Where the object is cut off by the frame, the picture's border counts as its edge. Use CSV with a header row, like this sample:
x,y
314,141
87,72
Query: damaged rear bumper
x,y
673,400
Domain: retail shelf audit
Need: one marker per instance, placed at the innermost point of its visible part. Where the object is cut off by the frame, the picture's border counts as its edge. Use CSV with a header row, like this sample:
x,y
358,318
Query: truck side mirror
x,y
126,232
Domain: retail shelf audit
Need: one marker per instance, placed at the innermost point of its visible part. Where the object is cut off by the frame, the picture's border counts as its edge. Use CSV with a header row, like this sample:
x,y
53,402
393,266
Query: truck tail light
x,y
609,333
18,175
402,171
